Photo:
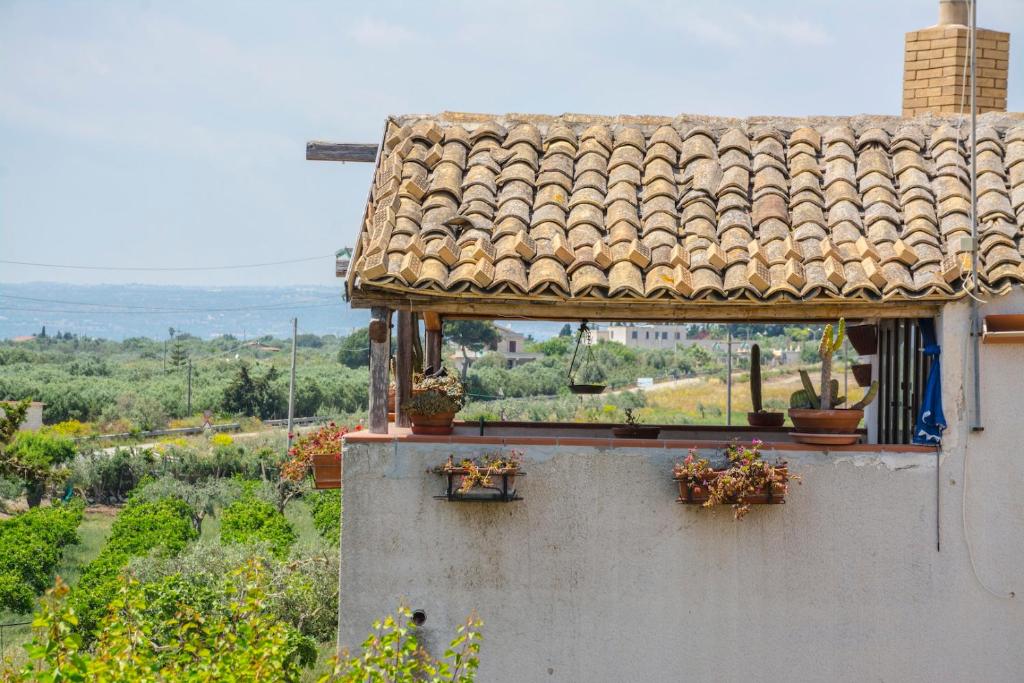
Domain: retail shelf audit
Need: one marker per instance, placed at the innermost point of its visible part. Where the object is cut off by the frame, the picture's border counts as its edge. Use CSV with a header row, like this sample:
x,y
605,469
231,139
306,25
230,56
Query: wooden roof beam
x,y
318,150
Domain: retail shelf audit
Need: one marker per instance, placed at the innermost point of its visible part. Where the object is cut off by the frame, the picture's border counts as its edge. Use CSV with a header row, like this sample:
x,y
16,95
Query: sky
x,y
139,134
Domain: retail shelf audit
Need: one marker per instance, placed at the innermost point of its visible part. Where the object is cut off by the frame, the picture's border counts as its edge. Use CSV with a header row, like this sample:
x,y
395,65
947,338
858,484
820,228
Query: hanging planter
x,y
489,478
747,481
583,337
327,471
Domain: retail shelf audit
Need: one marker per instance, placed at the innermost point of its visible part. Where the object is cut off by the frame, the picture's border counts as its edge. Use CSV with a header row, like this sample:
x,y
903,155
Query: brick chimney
x,y
934,78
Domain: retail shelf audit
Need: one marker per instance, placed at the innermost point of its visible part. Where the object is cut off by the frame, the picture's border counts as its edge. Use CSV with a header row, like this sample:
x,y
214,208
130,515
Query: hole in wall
x,y
419,617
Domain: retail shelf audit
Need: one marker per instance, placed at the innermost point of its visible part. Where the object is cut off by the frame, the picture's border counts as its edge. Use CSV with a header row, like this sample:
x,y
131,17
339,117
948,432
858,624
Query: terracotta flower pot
x,y
765,418
837,421
635,432
862,373
438,424
327,471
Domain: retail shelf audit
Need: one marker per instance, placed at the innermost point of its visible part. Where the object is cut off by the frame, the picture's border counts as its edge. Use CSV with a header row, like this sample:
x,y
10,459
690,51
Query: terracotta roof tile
x,y
590,207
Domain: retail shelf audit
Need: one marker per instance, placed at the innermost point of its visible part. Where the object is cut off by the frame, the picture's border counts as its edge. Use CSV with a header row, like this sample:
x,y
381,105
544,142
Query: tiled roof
x,y
598,208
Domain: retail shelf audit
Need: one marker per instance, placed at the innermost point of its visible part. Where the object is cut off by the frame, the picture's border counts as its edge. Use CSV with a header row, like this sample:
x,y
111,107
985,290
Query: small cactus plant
x,y
755,378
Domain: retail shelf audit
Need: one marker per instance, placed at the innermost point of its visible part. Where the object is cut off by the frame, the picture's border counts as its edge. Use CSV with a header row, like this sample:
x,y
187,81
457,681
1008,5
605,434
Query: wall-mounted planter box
x,y
1003,329
502,489
862,373
327,471
696,493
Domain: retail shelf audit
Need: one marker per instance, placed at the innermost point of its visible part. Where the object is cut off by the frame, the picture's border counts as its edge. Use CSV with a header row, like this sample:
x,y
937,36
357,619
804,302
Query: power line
x,y
166,268
157,311
152,309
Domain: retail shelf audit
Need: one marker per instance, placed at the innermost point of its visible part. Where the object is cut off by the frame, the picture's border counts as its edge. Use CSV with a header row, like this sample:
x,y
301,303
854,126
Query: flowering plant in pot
x,y
435,400
493,471
760,417
319,451
748,480
815,417
632,429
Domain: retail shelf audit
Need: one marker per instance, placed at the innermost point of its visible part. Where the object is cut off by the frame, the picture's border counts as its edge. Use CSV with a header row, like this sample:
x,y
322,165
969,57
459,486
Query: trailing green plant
x,y
31,545
326,509
392,653
250,519
162,526
232,638
478,472
436,395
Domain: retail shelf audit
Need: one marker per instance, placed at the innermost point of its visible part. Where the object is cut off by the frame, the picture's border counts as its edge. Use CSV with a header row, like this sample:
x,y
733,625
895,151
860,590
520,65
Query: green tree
x,y
249,394
566,331
179,354
32,457
355,349
471,335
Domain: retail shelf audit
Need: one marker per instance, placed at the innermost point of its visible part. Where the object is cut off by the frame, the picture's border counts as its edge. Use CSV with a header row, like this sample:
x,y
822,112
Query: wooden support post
x,y
432,323
403,368
380,347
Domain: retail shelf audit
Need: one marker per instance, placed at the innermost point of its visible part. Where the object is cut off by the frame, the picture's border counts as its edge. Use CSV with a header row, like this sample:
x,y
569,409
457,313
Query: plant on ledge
x,y
760,417
319,451
493,473
815,417
435,400
748,480
632,429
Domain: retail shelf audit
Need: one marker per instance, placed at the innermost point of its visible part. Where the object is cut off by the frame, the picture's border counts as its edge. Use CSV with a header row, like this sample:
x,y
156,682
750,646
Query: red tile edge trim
x,y
605,442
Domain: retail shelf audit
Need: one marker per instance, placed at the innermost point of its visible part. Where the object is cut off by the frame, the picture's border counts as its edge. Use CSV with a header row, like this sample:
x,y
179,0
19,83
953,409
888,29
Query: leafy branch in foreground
x,y
393,654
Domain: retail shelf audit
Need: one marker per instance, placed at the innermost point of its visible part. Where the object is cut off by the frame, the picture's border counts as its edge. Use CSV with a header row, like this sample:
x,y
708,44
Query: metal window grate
x,y
902,369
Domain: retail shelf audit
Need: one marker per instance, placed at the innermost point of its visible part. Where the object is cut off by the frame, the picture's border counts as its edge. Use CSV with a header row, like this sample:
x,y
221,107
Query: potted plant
x,y
319,451
748,480
632,429
815,417
488,477
435,400
760,417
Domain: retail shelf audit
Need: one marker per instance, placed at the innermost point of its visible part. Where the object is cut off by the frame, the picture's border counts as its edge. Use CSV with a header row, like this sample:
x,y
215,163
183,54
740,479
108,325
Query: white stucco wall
x,y
598,575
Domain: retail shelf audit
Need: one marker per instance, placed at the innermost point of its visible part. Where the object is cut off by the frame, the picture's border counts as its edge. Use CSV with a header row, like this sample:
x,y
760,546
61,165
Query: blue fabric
x,y
931,421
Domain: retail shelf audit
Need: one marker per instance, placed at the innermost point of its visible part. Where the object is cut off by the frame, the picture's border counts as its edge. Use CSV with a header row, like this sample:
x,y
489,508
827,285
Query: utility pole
x,y
291,384
189,410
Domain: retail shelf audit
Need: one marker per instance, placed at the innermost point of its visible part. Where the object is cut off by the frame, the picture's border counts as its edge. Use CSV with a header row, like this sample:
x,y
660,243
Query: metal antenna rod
x,y
976,424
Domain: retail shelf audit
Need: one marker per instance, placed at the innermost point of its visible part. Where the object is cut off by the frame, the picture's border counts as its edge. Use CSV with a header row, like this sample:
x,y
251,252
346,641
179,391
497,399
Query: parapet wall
x,y
599,575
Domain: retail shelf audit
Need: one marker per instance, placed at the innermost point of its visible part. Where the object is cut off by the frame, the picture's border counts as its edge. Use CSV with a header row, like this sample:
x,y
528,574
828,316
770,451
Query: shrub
x,y
302,591
232,638
31,545
142,526
32,456
393,653
326,508
250,519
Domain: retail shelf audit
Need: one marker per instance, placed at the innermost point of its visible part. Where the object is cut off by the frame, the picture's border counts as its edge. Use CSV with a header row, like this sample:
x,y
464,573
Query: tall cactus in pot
x,y
826,349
